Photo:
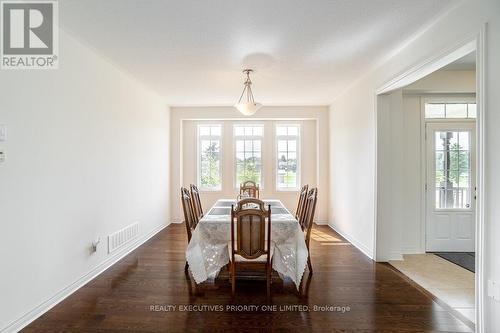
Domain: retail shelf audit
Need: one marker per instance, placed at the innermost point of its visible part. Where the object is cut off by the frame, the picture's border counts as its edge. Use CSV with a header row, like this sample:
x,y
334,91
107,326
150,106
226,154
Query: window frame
x,y
469,99
199,138
298,152
235,153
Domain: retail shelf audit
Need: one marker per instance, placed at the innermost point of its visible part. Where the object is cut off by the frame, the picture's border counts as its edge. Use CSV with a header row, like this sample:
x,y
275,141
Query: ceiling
x,y
192,52
467,62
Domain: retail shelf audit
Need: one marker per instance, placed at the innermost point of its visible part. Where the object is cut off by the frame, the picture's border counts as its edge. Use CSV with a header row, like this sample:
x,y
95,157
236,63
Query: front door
x,y
450,187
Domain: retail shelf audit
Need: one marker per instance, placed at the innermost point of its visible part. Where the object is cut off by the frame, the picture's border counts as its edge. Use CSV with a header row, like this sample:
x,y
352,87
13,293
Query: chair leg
x,y
233,280
268,281
309,264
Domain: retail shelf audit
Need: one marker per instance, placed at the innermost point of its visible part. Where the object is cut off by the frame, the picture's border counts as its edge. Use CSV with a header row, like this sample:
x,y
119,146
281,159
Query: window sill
x,y
209,190
454,210
287,189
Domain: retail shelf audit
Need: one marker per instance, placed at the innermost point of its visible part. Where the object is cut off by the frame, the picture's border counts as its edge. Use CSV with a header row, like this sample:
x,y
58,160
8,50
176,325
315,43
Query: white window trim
x,y
447,100
248,137
198,153
299,160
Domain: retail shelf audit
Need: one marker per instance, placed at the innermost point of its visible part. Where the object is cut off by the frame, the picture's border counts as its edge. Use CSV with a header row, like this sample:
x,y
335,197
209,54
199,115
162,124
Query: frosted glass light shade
x,y
248,109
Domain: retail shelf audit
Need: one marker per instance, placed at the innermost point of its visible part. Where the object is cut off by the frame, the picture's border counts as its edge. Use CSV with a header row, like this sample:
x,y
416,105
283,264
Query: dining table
x,y
207,252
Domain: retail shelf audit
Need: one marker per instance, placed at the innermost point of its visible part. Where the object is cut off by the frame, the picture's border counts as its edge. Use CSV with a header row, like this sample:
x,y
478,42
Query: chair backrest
x,y
195,196
308,217
249,217
302,202
190,218
250,188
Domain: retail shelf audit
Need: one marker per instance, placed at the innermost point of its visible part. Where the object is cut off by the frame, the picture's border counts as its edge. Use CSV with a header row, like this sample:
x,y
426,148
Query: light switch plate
x,y
494,290
3,132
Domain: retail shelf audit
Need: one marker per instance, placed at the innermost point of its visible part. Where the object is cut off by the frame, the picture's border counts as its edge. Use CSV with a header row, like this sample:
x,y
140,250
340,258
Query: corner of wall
x,y
359,245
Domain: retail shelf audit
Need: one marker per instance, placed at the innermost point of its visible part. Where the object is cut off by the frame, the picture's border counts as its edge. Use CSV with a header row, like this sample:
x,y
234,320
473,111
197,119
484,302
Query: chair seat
x,y
238,258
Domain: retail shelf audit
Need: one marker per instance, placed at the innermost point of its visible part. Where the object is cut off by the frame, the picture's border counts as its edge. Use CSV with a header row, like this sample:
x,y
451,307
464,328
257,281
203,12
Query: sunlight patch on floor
x,y
326,239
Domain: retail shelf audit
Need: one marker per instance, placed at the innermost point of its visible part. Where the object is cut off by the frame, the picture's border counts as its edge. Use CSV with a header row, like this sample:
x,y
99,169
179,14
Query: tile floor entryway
x,y
450,283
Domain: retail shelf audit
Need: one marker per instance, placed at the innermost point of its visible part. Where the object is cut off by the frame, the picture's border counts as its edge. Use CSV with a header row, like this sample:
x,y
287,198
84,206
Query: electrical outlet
x,y
93,247
494,290
2,155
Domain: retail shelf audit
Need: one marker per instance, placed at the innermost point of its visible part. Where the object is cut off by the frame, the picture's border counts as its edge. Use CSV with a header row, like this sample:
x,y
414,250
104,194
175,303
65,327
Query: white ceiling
x,y
465,63
192,52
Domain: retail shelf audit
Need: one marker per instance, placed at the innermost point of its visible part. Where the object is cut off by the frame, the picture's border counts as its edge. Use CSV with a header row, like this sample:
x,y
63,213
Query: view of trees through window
x,y
452,169
248,143
248,150
287,151
209,157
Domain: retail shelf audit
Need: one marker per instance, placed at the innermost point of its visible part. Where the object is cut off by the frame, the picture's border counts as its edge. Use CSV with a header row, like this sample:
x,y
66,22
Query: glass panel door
x,y
452,169
450,215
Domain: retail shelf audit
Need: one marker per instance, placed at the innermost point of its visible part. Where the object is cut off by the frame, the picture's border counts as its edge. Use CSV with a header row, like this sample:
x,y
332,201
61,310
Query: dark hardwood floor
x,y
121,299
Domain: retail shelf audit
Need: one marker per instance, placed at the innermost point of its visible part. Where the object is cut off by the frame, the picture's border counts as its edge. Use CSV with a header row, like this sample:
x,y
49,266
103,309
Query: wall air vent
x,y
122,237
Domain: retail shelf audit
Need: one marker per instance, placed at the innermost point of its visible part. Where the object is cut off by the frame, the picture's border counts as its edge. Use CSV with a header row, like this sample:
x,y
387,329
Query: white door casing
x,y
450,187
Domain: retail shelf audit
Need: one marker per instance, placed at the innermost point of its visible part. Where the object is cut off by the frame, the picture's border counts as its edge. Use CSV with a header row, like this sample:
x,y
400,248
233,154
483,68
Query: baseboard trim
x,y
368,252
396,256
411,250
321,222
39,310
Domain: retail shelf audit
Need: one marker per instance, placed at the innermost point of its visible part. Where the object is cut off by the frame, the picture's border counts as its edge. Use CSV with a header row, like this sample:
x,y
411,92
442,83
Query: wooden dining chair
x,y
249,246
195,196
190,218
250,188
307,221
302,202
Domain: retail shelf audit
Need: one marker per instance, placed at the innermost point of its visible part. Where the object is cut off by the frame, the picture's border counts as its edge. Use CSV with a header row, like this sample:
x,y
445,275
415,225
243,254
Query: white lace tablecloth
x,y
208,252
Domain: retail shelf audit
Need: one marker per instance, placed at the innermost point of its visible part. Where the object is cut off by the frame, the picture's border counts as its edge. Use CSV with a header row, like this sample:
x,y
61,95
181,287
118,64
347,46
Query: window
x,y
209,157
248,146
287,166
452,169
450,110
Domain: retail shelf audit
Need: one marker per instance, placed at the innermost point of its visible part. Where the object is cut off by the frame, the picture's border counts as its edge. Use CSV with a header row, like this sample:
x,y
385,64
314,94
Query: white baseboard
x,y
368,252
39,310
411,250
321,222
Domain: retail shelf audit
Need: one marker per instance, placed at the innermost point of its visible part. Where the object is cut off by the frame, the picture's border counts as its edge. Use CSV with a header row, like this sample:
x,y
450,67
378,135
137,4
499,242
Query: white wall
x,y
390,147
87,154
411,205
352,132
352,169
445,81
315,127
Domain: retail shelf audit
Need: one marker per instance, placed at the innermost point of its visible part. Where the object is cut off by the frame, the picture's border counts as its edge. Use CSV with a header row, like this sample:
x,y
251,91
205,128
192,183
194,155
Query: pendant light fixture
x,y
246,104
